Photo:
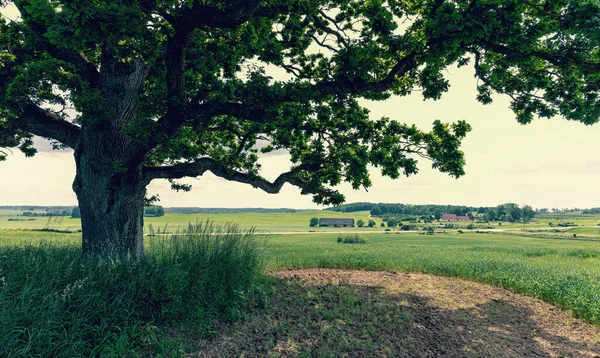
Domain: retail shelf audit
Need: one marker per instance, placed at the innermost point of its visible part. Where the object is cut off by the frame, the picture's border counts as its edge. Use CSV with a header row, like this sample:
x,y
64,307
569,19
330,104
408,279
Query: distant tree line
x,y
194,210
151,211
591,211
65,212
408,212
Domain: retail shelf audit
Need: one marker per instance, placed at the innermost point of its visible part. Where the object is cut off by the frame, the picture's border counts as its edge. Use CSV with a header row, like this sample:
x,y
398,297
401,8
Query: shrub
x,y
392,222
382,224
360,223
75,213
56,303
314,222
470,226
372,223
154,211
351,239
406,227
566,224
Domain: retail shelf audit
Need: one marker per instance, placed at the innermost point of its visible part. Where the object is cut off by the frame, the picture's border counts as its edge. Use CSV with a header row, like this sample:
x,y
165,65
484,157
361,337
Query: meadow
x,y
562,270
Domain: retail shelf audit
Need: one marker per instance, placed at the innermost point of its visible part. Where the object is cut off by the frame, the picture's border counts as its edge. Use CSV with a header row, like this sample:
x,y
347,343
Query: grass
x,y
47,288
54,303
562,272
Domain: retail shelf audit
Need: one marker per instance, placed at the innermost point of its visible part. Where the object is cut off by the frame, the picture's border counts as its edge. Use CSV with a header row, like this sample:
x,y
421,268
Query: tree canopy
x,y
164,89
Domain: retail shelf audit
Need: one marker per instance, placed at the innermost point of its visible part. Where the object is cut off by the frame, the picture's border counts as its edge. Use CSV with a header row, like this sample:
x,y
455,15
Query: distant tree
x,y
512,212
360,223
376,211
314,222
371,223
154,211
75,213
491,215
382,224
527,213
392,222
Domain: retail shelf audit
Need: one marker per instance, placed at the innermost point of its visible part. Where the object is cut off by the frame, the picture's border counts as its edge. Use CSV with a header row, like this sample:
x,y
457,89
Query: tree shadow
x,y
347,320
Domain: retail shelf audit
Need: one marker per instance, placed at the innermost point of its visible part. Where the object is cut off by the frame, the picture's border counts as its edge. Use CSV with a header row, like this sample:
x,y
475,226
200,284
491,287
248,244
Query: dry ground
x,y
342,313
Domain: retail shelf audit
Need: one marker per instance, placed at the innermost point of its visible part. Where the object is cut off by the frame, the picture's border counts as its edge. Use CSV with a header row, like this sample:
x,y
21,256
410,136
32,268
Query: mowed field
x,y
563,270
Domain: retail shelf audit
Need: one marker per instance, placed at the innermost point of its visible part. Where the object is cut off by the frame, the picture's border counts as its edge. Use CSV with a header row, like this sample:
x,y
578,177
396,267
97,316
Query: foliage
x,y
360,223
566,224
154,211
371,223
407,227
54,303
314,222
76,213
392,222
351,239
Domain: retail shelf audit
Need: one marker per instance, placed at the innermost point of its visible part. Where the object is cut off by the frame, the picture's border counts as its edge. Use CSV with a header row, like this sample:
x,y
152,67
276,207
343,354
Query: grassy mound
x,y
54,303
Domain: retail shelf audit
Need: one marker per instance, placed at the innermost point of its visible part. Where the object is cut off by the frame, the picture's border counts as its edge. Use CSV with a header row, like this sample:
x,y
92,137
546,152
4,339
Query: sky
x,y
546,164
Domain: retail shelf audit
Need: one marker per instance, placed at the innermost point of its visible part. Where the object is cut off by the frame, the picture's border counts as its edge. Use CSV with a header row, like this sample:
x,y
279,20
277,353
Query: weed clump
x,y
350,239
56,303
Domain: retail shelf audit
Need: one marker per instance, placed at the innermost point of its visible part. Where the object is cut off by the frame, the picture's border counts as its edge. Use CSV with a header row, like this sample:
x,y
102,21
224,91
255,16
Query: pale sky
x,y
548,163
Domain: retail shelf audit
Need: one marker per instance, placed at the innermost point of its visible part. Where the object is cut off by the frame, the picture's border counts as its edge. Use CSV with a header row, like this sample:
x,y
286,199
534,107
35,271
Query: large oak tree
x,y
165,89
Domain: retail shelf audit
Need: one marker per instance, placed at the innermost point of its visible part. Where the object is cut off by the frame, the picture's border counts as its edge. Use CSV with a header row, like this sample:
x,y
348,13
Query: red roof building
x,y
449,217
454,217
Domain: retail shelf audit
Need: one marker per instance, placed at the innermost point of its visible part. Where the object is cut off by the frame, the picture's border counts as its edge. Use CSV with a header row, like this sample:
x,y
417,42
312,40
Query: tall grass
x,y
55,303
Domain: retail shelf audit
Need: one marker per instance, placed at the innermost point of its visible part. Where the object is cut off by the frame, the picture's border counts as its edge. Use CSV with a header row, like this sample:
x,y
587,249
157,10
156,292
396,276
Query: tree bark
x,y
111,201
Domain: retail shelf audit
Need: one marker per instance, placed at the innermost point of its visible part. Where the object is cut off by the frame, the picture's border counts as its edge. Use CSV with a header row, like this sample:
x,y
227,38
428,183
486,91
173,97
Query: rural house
x,y
336,222
454,217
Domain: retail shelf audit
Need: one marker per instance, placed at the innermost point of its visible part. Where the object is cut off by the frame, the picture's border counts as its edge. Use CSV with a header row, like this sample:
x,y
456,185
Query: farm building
x,y
336,222
454,217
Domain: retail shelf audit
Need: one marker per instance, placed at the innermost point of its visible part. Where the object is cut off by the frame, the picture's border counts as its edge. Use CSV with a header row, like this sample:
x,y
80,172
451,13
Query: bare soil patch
x,y
344,313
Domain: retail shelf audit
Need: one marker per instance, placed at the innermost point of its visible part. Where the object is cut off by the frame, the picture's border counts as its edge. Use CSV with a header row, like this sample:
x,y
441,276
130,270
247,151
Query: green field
x,y
550,264
563,271
299,222
554,266
267,222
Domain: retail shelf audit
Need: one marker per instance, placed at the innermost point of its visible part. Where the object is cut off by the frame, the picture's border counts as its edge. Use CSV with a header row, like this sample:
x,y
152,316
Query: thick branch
x,y
46,124
200,113
203,165
556,60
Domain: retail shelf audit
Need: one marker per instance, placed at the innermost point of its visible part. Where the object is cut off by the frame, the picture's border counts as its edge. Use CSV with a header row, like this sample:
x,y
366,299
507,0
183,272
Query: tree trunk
x,y
109,188
111,202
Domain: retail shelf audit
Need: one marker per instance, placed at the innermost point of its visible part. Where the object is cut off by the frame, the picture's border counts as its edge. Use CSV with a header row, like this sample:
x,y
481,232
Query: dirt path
x,y
341,313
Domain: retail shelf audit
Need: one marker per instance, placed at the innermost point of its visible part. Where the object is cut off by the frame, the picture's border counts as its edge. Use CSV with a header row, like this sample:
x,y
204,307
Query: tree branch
x,y
48,125
556,60
87,70
203,165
